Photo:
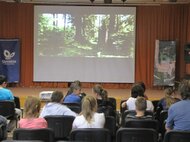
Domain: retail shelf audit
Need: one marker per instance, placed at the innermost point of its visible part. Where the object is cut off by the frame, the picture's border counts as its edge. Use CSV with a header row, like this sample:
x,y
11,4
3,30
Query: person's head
x,y
137,91
57,97
169,92
89,106
3,81
32,107
141,104
184,89
75,88
100,92
142,85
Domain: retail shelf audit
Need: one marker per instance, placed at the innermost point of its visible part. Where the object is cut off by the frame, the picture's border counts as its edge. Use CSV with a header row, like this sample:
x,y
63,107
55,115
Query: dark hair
x,y
184,89
137,91
2,79
57,96
142,85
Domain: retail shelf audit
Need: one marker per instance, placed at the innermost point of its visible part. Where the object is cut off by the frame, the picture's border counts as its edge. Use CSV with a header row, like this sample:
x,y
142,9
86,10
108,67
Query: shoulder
x,y
100,115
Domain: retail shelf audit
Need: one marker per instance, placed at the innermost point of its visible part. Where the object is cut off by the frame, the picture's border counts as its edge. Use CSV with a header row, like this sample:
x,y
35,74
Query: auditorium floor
x,y
119,94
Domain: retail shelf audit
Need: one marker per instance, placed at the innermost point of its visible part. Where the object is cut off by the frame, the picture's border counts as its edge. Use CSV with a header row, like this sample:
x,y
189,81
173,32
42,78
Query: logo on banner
x,y
8,56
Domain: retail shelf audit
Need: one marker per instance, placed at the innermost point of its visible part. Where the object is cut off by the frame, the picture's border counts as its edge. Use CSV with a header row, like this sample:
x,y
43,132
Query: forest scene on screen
x,y
88,35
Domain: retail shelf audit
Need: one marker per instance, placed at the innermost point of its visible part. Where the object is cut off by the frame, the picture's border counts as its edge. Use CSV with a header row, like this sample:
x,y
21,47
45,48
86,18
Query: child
x,y
31,111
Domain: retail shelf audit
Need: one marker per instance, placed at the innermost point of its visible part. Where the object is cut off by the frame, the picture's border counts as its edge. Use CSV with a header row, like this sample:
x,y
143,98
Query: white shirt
x,y
98,121
131,104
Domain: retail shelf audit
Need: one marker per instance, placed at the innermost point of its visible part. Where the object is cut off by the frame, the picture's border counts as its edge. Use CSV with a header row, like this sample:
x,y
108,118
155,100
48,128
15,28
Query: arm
x,y
170,120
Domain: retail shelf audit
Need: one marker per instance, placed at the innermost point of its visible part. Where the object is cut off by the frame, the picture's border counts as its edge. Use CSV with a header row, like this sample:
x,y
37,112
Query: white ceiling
x,y
100,1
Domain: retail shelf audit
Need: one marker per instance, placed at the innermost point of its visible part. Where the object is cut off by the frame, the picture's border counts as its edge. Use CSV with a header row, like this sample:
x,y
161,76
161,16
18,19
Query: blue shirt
x,y
179,116
72,98
6,94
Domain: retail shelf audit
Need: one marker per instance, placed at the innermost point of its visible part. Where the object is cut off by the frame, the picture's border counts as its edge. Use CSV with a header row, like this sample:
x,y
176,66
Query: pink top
x,y
33,123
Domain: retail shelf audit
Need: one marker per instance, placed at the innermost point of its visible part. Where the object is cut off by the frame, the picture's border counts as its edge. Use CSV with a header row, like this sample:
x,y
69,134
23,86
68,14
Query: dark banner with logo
x,y
164,65
10,59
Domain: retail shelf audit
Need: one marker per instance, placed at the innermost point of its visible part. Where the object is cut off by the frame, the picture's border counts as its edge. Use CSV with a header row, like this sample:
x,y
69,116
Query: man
x,y
178,113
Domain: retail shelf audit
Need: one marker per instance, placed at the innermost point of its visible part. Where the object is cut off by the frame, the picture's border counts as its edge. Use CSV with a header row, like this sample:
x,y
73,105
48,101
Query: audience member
x,y
136,91
168,100
140,108
89,118
74,97
31,113
144,87
6,94
55,107
178,113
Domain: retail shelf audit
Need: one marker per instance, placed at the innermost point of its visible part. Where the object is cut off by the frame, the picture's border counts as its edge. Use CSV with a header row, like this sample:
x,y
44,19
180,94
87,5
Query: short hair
x,y
142,85
137,90
141,104
3,79
57,96
32,107
184,89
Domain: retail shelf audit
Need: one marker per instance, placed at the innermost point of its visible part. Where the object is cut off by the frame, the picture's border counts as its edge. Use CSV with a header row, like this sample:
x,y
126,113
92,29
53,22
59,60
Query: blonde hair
x,y
89,106
168,96
32,107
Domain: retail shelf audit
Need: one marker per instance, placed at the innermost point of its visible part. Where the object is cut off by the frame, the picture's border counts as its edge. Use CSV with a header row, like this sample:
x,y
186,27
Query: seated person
x,y
6,94
31,112
104,105
71,89
140,108
55,107
136,91
74,96
178,113
168,100
89,118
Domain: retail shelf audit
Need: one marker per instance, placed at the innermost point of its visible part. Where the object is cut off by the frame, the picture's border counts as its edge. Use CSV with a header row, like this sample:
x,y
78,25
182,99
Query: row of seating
x,y
100,135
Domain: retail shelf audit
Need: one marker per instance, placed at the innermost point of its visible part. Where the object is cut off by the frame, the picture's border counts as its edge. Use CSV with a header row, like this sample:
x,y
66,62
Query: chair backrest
x,y
45,134
74,107
3,132
22,141
136,135
7,109
177,136
61,125
91,135
153,124
162,119
110,124
133,113
155,104
17,102
113,101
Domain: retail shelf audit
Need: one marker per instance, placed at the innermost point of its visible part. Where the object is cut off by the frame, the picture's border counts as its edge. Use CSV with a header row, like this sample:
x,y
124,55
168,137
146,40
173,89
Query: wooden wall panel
x,y
165,22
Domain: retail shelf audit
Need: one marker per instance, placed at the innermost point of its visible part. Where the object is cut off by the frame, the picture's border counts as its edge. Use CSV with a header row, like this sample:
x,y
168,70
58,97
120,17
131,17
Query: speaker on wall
x,y
108,1
187,53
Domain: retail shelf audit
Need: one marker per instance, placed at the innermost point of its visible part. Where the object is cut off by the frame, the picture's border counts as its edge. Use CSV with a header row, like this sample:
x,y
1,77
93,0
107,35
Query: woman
x,y
89,118
31,111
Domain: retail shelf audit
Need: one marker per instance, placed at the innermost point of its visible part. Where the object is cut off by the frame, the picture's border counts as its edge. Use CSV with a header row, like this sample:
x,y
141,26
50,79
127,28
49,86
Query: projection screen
x,y
86,43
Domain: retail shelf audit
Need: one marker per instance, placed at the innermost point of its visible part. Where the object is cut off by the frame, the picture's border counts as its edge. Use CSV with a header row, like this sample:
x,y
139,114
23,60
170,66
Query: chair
x,y
7,109
155,104
136,135
17,102
91,135
133,112
74,107
152,124
110,124
45,134
113,101
61,125
177,136
162,121
22,141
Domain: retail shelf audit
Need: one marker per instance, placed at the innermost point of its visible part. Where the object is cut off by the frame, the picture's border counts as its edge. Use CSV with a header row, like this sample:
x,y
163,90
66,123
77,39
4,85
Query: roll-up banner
x,y
10,59
164,64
